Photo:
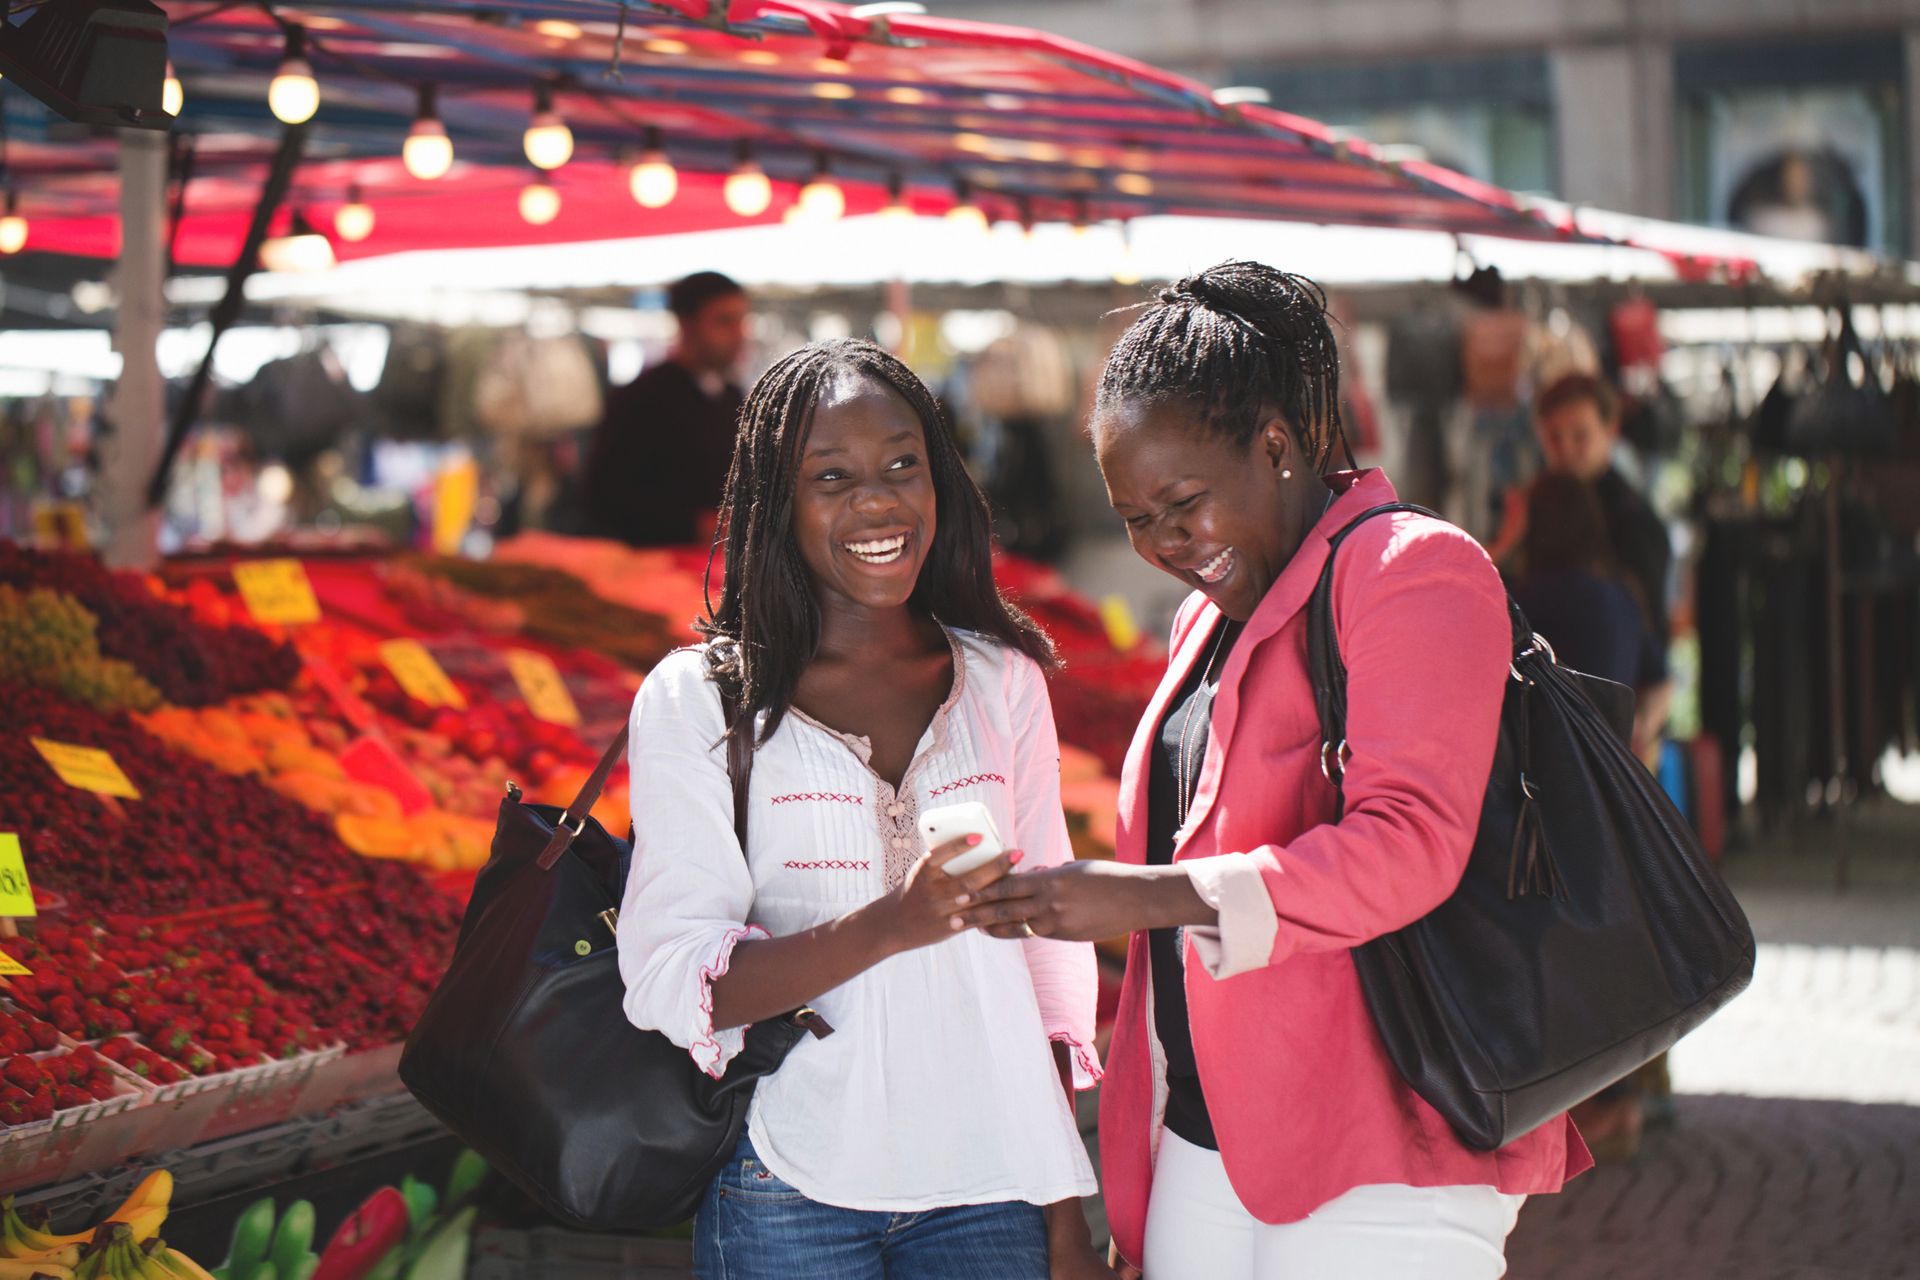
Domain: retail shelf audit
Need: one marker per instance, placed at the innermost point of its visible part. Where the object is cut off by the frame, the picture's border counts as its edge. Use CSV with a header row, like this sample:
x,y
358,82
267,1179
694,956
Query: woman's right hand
x,y
922,911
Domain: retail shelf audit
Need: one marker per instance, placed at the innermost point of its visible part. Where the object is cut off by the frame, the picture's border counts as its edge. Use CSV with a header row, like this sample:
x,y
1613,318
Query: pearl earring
x,y
1286,474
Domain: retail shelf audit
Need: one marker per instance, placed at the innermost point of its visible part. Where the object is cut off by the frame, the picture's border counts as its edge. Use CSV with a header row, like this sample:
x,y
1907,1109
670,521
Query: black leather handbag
x,y
525,1051
1588,934
1839,415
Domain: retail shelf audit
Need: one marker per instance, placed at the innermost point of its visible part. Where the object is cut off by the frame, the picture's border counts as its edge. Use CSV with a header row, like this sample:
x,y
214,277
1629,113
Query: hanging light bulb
x,y
747,192
294,95
428,151
539,202
13,227
354,219
896,209
965,214
302,251
548,141
172,96
822,199
653,180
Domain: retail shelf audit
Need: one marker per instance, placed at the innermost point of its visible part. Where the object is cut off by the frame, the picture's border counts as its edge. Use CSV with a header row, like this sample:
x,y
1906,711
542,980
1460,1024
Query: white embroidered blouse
x,y
938,1086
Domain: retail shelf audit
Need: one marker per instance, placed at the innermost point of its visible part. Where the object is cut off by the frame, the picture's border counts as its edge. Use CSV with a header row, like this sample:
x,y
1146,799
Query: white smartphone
x,y
950,822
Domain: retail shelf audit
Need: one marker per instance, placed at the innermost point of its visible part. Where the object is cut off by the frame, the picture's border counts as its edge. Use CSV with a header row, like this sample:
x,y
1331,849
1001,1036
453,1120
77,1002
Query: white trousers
x,y
1197,1229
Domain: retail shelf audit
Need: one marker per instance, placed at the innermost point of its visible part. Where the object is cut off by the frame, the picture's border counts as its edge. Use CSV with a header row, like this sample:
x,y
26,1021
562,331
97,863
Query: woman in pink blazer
x,y
1251,1124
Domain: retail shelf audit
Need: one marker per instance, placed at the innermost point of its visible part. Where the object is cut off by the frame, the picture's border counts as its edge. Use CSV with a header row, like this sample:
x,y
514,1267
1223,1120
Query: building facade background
x,y
1789,117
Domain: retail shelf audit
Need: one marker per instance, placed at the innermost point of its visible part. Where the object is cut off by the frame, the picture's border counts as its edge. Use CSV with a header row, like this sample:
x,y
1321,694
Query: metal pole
x,y
279,178
133,418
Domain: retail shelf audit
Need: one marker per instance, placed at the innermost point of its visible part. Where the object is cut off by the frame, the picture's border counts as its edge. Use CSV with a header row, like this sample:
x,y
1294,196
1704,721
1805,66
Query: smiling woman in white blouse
x,y
880,673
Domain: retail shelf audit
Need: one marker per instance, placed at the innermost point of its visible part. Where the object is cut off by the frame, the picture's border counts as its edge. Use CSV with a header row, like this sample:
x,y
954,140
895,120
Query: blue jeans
x,y
753,1226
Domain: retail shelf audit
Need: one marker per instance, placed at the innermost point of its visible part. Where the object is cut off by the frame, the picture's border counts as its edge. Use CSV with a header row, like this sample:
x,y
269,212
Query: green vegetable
x,y
470,1169
422,1203
444,1256
252,1236
293,1239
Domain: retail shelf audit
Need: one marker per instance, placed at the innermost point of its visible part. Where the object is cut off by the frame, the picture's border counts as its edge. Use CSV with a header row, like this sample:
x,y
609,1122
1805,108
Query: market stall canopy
x,y
896,109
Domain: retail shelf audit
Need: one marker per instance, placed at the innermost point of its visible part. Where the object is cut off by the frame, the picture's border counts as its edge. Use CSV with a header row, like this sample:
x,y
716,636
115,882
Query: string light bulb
x,y
172,97
821,199
428,151
294,95
354,219
548,140
539,202
896,209
747,191
965,214
653,179
13,227
302,251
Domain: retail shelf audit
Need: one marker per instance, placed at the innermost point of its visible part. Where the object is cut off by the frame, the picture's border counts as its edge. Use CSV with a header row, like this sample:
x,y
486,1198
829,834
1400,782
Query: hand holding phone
x,y
951,822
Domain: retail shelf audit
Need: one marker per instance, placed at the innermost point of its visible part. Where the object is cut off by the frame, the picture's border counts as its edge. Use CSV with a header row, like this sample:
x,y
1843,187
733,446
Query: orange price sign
x,y
420,675
276,591
540,684
88,768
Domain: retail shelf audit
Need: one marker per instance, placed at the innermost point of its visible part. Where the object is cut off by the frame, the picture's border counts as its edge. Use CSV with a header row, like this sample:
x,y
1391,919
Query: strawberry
x,y
69,1096
24,1072
101,1087
45,1035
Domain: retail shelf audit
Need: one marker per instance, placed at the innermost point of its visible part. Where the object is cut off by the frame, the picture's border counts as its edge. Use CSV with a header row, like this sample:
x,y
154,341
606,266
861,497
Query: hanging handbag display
x,y
1843,412
1588,933
525,1051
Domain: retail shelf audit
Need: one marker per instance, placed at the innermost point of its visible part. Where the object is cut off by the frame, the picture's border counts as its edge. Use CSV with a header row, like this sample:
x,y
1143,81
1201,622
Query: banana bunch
x,y
115,1255
27,1251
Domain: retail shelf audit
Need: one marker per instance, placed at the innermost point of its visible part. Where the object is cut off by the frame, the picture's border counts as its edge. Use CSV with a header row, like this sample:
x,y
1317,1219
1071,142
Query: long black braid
x,y
1238,343
767,628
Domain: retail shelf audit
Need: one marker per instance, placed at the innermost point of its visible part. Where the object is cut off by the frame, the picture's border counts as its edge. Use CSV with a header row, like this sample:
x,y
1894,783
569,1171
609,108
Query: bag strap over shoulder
x,y
1328,671
574,819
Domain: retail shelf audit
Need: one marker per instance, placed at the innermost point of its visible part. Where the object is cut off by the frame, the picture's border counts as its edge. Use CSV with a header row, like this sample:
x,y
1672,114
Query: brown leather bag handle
x,y
574,819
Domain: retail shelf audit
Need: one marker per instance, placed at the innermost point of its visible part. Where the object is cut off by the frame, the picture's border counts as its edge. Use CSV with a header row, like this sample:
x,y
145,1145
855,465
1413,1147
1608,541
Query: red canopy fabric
x,y
1036,128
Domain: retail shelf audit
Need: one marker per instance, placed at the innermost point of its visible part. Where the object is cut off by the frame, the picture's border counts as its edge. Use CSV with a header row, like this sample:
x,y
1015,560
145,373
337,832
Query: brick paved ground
x,y
1796,1151
1741,1189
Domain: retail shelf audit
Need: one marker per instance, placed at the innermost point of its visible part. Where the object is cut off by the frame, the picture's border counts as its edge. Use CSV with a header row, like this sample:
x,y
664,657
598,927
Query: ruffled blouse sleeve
x,y
1065,976
689,892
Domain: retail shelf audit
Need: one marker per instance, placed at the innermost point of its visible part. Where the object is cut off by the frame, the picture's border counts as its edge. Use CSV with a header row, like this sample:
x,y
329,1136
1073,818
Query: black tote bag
x,y
525,1050
1588,934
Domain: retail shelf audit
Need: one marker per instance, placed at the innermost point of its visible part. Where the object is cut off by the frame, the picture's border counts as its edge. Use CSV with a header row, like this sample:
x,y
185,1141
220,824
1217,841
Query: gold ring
x,y
1026,926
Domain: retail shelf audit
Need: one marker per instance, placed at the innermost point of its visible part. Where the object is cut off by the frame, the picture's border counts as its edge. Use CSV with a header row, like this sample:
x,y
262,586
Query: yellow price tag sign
x,y
1123,633
276,591
11,968
541,685
419,674
88,768
16,892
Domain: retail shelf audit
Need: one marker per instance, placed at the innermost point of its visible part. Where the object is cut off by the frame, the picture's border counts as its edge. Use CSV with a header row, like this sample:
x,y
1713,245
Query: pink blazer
x,y
1304,1102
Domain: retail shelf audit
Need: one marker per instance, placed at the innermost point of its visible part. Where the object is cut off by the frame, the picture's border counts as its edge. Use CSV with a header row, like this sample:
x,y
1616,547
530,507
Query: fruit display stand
x,y
239,925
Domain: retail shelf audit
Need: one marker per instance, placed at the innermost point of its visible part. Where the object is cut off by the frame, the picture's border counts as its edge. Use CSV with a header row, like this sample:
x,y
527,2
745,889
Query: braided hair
x,y
1237,343
767,628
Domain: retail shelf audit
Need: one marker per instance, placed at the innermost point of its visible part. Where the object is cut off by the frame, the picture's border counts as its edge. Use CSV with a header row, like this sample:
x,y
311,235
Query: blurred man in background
x,y
658,461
